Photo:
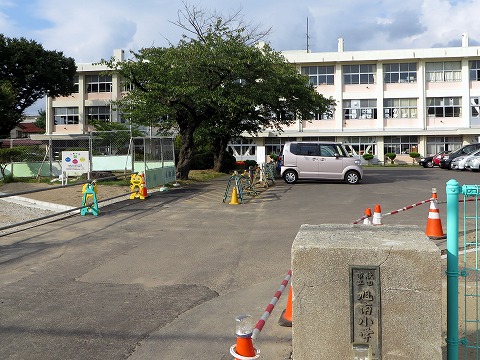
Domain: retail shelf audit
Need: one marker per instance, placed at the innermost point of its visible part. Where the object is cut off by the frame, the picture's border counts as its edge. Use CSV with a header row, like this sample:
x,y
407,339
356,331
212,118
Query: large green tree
x,y
216,79
28,72
41,121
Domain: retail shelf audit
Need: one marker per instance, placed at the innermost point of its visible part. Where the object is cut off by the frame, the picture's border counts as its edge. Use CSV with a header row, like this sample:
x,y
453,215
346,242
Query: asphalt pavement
x,y
164,278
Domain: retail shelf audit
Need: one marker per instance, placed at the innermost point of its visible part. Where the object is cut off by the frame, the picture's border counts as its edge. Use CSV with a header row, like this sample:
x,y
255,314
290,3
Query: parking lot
x,y
164,278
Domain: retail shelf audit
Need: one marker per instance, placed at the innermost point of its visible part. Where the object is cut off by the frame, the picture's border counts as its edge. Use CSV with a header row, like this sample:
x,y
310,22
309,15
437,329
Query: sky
x,y
89,30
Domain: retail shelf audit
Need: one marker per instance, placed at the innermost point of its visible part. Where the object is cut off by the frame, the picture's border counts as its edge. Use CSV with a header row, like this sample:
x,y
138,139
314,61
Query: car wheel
x,y
290,176
429,164
352,177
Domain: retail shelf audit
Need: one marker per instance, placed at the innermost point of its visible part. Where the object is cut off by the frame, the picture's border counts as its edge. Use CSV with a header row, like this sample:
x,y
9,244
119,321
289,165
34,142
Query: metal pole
x,y
50,156
90,156
453,191
163,167
145,156
132,151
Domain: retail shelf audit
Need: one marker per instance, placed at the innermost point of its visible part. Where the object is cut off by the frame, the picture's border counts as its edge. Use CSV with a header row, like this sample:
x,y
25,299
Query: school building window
x,y
275,145
319,138
75,84
400,73
65,115
474,67
98,113
327,115
400,108
242,148
400,144
444,107
360,109
444,71
359,145
359,74
435,144
320,75
98,83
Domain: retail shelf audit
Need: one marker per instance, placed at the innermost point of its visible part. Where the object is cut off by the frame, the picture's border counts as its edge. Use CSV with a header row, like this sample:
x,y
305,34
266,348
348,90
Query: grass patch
x,y
201,175
14,179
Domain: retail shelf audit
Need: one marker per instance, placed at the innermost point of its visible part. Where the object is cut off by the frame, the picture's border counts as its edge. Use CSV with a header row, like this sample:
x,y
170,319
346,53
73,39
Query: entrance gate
x,y
463,273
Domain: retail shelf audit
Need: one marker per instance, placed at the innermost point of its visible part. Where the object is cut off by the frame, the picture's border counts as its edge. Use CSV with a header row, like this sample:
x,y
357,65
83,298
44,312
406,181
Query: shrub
x,y
249,163
274,157
202,161
240,165
391,156
368,156
228,163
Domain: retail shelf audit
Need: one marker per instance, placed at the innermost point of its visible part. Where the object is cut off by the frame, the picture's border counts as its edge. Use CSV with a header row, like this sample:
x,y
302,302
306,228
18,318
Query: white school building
x,y
401,101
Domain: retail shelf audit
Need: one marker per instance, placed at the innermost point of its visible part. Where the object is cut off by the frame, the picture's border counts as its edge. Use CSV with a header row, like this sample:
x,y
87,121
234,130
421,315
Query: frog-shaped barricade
x,y
137,187
90,202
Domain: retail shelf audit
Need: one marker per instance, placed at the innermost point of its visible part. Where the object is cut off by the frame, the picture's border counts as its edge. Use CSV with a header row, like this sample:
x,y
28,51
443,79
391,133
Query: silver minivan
x,y
319,160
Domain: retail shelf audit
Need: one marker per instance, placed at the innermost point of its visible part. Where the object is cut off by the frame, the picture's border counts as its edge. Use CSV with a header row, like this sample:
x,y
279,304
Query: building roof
x,y
30,128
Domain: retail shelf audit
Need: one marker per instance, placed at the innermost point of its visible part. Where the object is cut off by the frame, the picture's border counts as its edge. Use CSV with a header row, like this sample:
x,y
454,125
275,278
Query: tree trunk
x,y
219,151
185,156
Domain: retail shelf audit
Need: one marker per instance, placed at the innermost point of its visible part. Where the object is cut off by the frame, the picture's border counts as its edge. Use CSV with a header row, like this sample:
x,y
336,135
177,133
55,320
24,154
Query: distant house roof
x,y
30,128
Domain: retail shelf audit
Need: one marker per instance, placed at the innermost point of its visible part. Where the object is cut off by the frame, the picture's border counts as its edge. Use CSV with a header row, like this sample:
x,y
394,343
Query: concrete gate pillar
x,y
375,287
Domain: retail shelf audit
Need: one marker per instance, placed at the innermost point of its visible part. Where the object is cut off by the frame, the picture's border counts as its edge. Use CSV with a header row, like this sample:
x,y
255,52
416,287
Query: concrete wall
x,y
409,325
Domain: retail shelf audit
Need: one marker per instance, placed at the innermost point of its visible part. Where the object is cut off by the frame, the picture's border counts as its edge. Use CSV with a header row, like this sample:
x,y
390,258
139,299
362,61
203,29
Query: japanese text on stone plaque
x,y
365,303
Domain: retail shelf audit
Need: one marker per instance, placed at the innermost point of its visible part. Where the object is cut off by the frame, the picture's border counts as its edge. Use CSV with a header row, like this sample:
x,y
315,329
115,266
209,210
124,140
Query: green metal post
x,y
453,190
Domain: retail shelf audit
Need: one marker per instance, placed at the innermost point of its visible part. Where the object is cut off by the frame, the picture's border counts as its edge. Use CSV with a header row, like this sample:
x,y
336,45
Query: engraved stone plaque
x,y
365,303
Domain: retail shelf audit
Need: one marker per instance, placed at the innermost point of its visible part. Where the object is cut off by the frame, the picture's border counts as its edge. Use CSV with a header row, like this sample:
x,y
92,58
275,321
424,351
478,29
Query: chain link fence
x,y
112,151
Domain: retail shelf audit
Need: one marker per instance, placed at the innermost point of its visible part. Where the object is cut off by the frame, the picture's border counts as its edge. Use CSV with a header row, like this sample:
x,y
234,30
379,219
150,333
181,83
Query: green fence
x,y
463,289
108,151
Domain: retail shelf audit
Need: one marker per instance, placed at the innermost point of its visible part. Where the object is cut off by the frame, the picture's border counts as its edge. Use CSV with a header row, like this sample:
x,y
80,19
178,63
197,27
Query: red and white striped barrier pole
x,y
396,211
408,207
271,306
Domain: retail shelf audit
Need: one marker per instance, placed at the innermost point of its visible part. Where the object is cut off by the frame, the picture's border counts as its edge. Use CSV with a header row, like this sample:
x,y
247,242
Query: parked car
x,y
319,160
460,161
440,156
473,163
432,160
465,150
426,161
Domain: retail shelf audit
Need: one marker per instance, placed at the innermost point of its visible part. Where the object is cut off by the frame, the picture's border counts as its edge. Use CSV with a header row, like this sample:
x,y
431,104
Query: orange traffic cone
x,y
434,225
244,348
368,215
377,215
286,317
234,200
143,188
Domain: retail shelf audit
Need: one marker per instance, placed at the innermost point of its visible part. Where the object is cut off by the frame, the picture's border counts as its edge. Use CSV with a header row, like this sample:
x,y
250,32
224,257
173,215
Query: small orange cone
x,y
368,215
244,349
143,187
286,317
234,200
434,225
377,215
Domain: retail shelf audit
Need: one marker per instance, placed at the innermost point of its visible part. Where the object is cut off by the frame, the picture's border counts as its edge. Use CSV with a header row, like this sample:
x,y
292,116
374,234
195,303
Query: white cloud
x,y
90,31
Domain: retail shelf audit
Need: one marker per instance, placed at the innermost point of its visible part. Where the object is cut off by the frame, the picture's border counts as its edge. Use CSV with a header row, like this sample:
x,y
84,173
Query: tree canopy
x,y
28,72
217,80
